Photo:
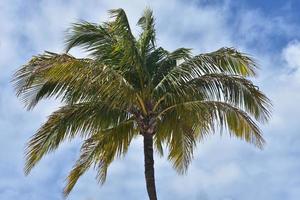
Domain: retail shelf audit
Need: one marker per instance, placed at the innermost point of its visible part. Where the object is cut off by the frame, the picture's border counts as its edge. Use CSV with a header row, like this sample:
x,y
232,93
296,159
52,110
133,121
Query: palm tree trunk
x,y
149,166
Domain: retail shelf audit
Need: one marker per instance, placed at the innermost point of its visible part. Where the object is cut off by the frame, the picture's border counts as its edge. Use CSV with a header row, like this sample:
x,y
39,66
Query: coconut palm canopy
x,y
129,87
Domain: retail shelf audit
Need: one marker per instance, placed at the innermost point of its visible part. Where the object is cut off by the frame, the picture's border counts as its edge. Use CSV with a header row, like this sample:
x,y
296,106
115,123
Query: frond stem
x,y
158,102
141,102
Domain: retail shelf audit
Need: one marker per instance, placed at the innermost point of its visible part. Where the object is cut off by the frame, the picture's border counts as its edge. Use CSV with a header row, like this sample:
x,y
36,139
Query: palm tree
x,y
128,87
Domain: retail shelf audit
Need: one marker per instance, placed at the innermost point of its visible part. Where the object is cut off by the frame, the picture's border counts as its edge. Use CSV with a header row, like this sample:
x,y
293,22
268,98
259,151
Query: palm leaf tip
x,y
89,150
71,181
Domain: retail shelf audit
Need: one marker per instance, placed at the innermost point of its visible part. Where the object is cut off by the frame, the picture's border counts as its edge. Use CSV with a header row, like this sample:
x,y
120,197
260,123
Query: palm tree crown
x,y
128,86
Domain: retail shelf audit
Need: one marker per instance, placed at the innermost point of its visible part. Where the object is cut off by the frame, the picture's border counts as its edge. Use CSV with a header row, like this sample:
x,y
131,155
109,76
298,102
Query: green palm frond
x,y
232,89
100,150
75,80
181,148
112,43
126,43
31,83
147,37
69,121
228,60
179,129
236,90
225,60
223,115
167,62
87,35
180,138
153,60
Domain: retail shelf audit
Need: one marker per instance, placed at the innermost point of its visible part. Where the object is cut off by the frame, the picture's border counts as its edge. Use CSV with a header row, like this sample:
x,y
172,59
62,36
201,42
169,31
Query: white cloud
x,y
223,168
291,56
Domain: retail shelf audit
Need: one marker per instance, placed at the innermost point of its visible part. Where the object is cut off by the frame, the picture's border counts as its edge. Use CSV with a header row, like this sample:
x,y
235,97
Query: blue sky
x,y
224,168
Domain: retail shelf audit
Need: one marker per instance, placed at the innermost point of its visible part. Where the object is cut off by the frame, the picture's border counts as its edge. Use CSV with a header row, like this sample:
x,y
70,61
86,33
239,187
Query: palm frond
x,y
225,116
100,150
236,90
228,61
225,60
61,75
154,59
69,121
86,35
162,62
147,37
179,131
181,148
126,43
112,43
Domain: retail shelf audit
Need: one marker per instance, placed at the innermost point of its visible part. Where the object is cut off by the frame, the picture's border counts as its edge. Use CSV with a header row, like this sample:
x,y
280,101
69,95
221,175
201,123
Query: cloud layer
x,y
224,168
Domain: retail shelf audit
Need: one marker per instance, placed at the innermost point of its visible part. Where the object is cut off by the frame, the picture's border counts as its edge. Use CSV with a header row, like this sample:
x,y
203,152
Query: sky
x,y
224,168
